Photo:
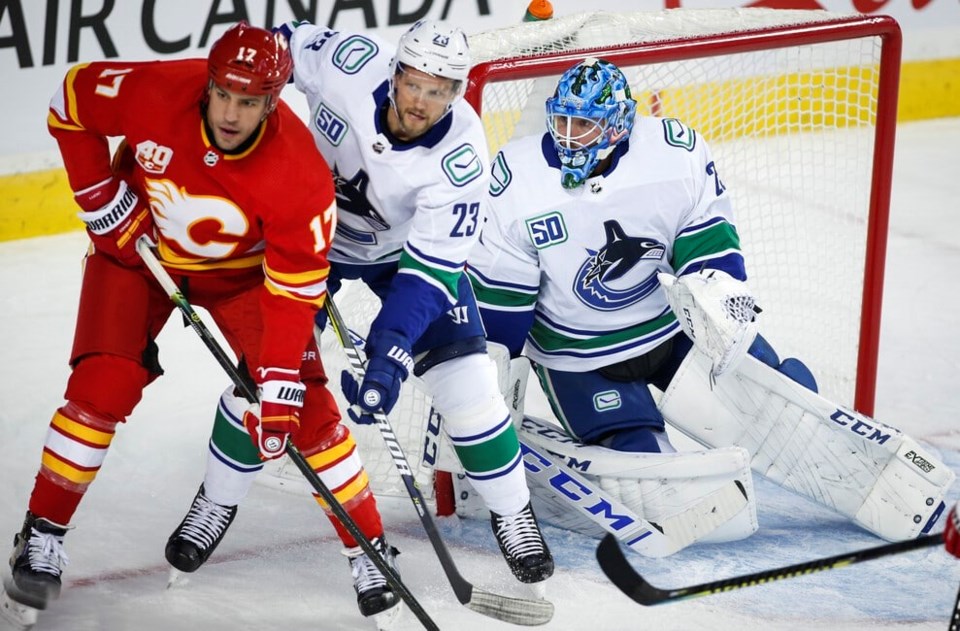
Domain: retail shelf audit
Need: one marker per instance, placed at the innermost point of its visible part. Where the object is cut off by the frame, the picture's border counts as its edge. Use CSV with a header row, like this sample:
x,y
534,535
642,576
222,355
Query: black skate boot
x,y
199,534
36,562
374,594
522,545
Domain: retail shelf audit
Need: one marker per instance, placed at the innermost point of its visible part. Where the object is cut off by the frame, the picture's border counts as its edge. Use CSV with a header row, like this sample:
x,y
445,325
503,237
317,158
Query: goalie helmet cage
x,y
799,109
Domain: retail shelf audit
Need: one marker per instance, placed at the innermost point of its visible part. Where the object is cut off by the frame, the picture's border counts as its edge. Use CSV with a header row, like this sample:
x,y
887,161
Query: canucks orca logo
x,y
618,256
352,198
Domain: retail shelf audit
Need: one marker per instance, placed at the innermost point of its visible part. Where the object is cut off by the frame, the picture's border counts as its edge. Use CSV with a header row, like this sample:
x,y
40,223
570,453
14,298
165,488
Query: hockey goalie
x,y
619,275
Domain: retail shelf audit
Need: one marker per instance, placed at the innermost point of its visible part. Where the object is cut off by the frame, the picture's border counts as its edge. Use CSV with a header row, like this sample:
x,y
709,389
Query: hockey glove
x,y
389,362
351,390
951,534
115,219
271,421
286,31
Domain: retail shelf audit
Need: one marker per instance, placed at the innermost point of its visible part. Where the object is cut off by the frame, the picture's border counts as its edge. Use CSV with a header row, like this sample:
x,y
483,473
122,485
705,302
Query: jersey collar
x,y
381,96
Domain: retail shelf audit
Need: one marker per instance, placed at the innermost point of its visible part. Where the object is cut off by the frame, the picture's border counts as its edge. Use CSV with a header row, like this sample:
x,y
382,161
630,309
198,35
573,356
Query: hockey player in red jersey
x,y
226,181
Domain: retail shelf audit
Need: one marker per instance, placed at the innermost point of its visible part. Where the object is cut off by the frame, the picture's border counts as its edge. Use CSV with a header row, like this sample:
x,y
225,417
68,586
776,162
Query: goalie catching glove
x,y
271,421
115,219
716,311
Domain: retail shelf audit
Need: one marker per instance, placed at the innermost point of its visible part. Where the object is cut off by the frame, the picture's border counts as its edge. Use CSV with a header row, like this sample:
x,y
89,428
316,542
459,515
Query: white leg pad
x,y
655,486
863,469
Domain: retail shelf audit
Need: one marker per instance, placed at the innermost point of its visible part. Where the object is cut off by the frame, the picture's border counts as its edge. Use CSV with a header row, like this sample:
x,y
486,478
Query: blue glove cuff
x,y
392,346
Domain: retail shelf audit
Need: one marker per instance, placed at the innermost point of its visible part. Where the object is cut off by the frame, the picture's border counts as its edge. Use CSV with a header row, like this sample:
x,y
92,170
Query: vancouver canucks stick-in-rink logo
x,y
618,256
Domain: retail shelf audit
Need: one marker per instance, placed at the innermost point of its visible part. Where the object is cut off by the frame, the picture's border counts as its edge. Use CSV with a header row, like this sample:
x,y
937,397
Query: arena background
x,y
41,39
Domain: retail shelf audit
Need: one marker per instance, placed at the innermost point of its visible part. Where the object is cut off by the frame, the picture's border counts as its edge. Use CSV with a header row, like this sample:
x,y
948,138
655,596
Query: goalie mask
x,y
590,113
436,50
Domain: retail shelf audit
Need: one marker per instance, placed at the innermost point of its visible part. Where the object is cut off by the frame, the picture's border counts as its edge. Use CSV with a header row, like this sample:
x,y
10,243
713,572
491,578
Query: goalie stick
x,y
514,610
144,249
615,565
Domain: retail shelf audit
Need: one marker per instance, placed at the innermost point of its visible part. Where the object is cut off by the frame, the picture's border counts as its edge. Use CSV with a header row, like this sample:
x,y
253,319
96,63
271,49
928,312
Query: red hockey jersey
x,y
271,205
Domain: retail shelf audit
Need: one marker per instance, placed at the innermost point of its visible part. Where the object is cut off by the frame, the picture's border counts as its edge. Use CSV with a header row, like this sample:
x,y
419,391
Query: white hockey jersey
x,y
425,198
586,259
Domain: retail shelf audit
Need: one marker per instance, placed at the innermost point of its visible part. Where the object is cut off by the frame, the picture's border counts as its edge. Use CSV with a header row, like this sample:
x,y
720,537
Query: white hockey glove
x,y
716,311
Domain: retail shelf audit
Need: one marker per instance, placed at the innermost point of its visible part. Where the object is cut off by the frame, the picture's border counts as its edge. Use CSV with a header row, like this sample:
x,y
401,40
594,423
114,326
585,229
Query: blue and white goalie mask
x,y
590,113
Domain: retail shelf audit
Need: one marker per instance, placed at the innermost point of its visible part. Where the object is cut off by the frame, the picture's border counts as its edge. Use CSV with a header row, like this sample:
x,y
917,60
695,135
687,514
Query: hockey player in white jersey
x,y
611,254
410,165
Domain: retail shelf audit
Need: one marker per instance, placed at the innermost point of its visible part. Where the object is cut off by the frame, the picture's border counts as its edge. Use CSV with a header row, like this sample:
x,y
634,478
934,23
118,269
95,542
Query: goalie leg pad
x,y
863,469
655,486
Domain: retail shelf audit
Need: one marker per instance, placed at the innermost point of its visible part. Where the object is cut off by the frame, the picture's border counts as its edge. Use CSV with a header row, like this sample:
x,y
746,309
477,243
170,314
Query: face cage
x,y
578,156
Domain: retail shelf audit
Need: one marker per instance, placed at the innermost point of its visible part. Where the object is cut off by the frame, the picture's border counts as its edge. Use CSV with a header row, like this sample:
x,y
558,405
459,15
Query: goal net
x,y
799,109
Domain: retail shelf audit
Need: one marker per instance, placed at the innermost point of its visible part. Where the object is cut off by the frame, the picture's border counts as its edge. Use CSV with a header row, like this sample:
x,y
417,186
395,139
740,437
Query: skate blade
x,y
539,590
387,619
14,615
176,578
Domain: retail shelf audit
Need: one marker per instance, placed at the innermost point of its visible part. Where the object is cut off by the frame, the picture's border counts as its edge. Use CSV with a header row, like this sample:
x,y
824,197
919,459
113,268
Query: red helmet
x,y
251,60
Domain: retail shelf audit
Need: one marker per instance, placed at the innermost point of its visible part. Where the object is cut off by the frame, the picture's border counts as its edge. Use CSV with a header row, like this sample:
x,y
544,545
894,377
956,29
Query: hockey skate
x,y
523,547
36,563
15,615
199,534
375,597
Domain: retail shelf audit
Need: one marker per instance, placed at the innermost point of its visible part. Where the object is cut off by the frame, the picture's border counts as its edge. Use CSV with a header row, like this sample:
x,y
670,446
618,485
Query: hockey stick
x,y
144,249
514,610
955,620
615,565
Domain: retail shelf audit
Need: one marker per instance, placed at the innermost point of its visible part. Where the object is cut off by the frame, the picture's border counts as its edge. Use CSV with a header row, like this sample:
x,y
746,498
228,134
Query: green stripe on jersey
x,y
501,297
718,238
447,279
551,341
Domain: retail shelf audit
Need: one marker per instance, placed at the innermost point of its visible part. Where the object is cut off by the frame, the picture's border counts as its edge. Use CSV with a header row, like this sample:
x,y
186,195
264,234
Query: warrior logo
x,y
614,260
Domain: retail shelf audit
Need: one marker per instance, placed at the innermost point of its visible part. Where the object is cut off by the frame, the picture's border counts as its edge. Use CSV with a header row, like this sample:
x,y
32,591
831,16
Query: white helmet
x,y
438,50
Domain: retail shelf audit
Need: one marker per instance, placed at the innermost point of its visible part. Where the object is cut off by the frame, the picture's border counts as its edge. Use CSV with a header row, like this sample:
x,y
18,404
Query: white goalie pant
x,y
870,472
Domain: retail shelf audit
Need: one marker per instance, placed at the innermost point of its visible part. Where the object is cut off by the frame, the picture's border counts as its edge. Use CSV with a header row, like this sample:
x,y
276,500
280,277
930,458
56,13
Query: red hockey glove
x,y
951,535
115,218
278,414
